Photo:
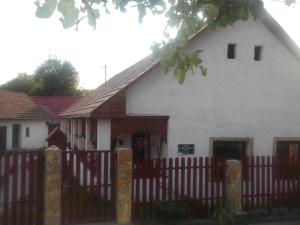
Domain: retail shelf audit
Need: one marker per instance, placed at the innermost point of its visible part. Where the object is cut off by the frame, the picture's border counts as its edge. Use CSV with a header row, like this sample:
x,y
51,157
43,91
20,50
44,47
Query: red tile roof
x,y
54,105
17,105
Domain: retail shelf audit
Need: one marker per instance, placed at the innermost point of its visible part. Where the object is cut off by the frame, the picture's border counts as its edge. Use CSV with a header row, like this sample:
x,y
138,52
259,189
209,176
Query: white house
x,y
23,125
248,103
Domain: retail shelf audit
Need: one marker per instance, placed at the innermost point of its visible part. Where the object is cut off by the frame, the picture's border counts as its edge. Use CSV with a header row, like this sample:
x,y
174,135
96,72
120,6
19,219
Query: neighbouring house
x,y
247,104
53,106
23,124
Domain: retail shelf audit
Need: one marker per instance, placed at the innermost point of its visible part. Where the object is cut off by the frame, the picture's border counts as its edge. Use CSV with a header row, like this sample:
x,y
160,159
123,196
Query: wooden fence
x,y
270,182
197,184
88,186
21,187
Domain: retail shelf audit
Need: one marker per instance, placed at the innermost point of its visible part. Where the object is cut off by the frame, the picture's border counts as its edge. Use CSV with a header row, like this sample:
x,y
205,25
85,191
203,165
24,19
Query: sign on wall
x,y
186,149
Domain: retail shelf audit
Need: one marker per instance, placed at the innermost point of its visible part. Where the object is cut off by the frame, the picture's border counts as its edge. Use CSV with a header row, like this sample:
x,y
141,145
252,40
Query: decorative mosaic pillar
x,y
53,169
124,186
233,185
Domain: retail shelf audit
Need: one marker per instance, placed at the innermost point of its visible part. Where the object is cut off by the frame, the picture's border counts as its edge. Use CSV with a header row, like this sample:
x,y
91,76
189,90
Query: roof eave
x,y
85,115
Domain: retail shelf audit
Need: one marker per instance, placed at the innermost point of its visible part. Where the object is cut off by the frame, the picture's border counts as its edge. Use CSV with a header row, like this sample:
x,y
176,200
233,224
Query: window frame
x,y
286,173
287,139
249,140
234,46
249,150
260,53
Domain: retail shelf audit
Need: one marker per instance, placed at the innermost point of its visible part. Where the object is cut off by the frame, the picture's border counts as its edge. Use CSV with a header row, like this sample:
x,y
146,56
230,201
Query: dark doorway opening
x,y
3,135
16,136
141,146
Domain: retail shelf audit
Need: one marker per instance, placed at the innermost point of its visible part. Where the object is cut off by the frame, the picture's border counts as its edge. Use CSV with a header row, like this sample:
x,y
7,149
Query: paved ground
x,y
292,222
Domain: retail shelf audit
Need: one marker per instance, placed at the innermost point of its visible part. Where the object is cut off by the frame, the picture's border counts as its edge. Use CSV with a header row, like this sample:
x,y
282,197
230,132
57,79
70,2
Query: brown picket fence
x,y
196,184
270,182
21,187
88,186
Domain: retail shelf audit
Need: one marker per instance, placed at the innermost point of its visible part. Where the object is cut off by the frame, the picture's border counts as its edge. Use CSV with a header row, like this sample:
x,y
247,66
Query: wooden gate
x,y
21,187
88,186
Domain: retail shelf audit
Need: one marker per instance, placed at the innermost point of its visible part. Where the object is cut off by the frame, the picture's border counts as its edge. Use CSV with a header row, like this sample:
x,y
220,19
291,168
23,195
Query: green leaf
x,y
93,15
180,75
95,1
46,9
142,12
69,12
212,9
121,4
203,71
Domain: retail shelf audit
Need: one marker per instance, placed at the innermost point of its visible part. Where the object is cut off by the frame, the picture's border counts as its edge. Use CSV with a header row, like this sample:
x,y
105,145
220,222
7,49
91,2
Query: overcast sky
x,y
118,41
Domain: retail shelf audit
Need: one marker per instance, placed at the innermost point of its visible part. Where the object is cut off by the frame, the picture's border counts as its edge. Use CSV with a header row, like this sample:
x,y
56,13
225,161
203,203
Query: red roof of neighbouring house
x,y
54,105
17,105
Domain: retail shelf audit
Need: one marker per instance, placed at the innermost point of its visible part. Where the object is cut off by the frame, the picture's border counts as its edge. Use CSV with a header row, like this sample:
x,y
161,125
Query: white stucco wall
x,y
103,134
38,133
238,98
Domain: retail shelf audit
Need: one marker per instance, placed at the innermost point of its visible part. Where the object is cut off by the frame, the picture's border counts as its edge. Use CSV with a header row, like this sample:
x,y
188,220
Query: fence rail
x,y
197,184
270,182
21,187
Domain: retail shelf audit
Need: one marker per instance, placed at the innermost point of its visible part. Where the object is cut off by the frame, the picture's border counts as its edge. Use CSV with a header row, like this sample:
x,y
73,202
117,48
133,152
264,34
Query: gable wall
x,y
238,98
114,107
38,133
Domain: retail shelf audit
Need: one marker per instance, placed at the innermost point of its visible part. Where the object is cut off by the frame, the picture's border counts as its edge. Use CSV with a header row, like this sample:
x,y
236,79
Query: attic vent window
x,y
231,51
258,53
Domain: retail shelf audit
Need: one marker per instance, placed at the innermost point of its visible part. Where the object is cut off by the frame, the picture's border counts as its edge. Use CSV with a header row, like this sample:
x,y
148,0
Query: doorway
x,y
140,146
16,136
3,135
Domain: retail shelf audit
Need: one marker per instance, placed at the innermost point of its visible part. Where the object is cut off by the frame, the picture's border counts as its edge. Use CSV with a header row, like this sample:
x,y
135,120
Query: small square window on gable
x,y
258,53
231,51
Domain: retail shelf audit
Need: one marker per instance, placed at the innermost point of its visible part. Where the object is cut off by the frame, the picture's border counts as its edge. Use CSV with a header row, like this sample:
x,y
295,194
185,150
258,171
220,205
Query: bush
x,y
169,213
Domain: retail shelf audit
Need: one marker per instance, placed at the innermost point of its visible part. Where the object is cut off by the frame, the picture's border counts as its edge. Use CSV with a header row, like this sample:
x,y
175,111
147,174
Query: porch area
x,y
146,135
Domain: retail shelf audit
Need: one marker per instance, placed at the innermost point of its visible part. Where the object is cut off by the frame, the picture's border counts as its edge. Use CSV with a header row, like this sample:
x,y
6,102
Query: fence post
x,y
53,172
124,186
233,185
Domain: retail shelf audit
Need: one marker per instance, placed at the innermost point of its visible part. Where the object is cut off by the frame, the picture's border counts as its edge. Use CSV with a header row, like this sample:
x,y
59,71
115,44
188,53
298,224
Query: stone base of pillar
x,y
53,181
233,187
124,186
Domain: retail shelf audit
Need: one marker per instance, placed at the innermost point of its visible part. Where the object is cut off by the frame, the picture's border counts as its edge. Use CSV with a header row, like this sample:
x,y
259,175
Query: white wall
x,y
38,133
103,134
238,98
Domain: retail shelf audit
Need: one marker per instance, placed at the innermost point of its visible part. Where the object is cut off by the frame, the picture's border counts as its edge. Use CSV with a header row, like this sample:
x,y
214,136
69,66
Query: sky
x,y
119,40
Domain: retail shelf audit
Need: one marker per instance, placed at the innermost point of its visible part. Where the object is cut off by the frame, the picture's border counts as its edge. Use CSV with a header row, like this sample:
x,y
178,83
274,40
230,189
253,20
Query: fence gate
x,y
88,186
21,187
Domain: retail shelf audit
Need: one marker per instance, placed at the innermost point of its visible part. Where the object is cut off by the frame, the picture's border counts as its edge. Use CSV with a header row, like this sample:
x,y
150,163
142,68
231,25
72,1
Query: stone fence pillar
x,y
124,186
233,184
53,169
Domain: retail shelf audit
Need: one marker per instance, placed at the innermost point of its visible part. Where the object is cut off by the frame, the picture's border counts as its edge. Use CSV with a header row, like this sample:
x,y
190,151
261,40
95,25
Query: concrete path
x,y
291,222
